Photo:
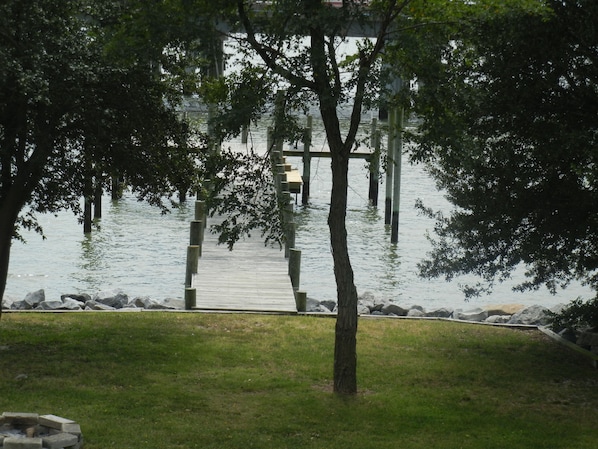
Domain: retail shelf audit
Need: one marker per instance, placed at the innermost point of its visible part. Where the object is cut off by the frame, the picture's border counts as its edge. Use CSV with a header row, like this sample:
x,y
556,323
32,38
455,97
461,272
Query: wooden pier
x,y
252,277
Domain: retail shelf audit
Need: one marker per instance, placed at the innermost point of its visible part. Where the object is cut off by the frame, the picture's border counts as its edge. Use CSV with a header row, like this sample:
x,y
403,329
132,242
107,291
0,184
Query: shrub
x,y
578,314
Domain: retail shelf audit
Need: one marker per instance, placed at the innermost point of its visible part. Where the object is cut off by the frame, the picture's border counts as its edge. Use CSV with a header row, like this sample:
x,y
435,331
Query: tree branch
x,y
266,53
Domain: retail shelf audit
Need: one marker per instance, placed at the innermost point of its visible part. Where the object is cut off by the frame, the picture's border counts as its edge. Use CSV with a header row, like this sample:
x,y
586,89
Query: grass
x,y
190,380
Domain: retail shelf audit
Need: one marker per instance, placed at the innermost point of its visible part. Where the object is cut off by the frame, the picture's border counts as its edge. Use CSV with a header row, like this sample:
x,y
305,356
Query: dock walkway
x,y
252,277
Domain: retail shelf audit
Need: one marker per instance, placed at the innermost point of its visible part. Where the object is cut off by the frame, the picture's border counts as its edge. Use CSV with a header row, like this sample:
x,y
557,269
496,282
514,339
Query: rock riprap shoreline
x,y
104,300
516,314
368,304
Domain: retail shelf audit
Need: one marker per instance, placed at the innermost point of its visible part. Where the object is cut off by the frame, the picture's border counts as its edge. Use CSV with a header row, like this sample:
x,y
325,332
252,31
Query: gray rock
x,y
534,315
362,309
311,304
322,309
152,304
498,319
71,304
83,298
174,303
416,313
33,299
329,304
94,305
472,315
441,313
113,298
50,304
391,308
7,302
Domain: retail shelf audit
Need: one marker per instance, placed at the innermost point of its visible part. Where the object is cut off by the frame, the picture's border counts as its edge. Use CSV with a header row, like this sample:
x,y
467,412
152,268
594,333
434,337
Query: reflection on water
x,y
138,249
134,247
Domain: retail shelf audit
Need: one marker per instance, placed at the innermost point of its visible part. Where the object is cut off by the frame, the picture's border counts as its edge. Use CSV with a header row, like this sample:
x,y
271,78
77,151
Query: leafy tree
x,y
84,92
509,132
296,45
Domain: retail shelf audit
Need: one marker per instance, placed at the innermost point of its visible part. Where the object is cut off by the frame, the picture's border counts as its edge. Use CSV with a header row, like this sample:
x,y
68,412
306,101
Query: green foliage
x,y
509,132
88,90
576,315
243,195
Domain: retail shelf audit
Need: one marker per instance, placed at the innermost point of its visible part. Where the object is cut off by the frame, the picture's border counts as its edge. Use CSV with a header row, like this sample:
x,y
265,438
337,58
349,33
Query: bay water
x,y
139,250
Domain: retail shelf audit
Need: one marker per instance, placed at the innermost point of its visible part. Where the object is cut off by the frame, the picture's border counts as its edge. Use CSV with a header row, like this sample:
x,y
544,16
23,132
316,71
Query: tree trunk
x,y
345,347
9,211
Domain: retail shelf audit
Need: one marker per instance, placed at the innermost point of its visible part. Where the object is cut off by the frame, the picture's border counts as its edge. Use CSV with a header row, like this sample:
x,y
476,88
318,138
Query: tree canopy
x,y
297,46
509,133
88,88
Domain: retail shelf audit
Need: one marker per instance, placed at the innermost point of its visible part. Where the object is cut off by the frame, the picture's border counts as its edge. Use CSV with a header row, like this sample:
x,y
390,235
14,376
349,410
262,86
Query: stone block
x,y
54,422
21,419
22,443
73,428
60,440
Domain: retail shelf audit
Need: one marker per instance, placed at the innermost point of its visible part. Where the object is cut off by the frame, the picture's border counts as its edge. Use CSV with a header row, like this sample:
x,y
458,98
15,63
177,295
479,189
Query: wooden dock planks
x,y
252,277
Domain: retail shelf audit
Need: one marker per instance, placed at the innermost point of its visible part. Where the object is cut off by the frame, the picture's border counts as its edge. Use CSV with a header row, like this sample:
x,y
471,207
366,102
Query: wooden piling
x,y
307,160
301,301
190,298
97,200
389,168
191,266
295,267
374,165
244,133
396,193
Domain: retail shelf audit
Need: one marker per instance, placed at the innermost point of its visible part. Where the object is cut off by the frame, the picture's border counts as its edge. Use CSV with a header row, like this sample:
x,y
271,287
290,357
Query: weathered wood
x,y
191,266
190,298
252,277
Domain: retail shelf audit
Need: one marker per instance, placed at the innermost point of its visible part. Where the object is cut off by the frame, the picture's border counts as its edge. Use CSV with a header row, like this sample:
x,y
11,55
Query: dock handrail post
x,y
295,267
301,300
190,298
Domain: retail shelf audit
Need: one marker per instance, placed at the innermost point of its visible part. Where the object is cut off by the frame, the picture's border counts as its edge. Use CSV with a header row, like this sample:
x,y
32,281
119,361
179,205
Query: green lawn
x,y
192,380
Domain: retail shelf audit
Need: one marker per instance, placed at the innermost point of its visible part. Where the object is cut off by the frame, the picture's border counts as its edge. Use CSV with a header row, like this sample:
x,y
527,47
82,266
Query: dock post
x,y
190,298
301,301
374,165
295,267
307,160
192,260
280,177
195,234
244,133
390,163
200,214
270,139
290,238
396,193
